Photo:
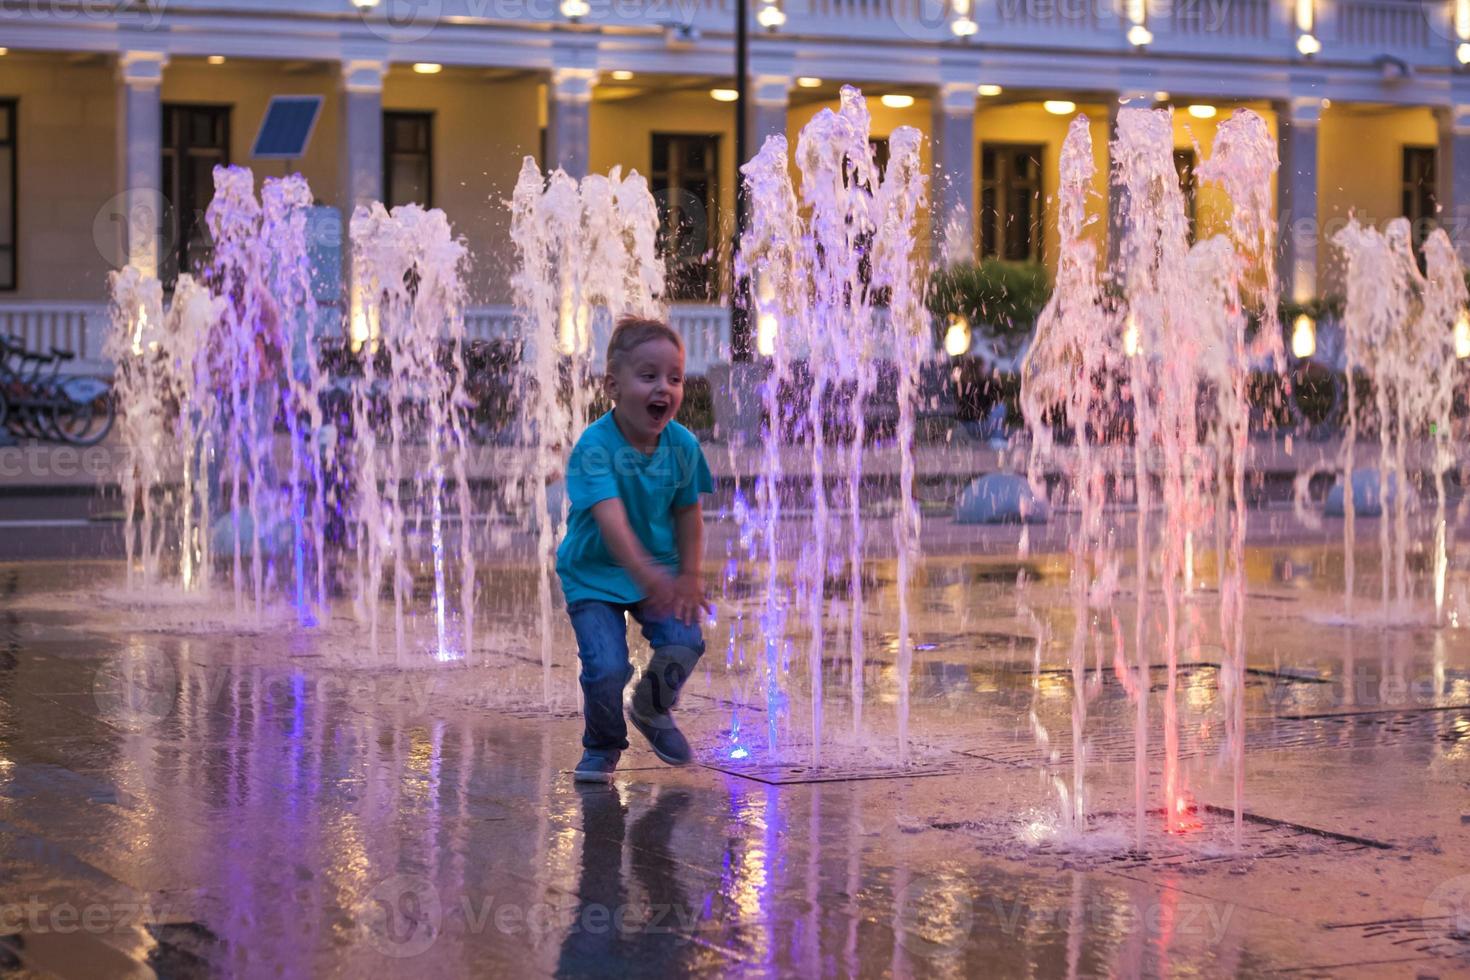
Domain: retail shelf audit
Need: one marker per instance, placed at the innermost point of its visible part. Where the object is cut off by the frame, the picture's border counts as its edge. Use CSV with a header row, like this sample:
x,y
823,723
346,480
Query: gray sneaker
x,y
654,698
596,767
664,737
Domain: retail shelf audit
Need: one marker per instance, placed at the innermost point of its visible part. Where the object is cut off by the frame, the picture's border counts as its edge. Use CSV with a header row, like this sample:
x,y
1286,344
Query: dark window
x,y
879,146
1184,166
1420,205
9,193
685,183
196,139
408,158
1010,201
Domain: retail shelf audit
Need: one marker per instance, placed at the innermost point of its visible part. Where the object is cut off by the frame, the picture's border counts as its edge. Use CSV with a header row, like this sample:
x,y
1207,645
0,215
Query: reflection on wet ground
x,y
195,802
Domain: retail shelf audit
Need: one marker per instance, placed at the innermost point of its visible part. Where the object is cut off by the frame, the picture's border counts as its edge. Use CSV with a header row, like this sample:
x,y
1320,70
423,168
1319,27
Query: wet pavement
x,y
189,795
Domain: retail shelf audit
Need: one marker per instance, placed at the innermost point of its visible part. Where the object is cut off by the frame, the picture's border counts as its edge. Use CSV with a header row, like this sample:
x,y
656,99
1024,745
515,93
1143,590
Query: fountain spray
x,y
587,255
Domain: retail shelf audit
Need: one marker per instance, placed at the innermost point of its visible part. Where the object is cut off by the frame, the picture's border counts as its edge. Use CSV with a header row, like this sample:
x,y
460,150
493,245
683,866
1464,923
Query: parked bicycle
x,y
38,402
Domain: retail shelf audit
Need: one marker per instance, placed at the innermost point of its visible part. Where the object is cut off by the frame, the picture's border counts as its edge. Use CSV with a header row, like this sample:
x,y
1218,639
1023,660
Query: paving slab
x,y
187,793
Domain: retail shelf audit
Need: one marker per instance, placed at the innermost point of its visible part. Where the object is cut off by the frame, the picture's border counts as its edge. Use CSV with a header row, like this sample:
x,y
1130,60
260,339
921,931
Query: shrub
x,y
1005,297
698,411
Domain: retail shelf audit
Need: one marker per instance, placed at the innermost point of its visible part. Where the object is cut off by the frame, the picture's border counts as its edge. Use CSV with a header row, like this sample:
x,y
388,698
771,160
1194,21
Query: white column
x,y
1296,192
140,136
568,119
1453,174
362,134
1117,193
768,114
954,170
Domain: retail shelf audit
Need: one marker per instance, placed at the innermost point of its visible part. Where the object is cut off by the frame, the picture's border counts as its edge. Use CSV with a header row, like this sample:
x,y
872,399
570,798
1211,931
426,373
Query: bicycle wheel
x,y
84,423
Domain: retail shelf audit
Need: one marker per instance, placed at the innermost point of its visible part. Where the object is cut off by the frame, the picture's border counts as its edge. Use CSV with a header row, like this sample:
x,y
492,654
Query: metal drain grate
x,y
1440,935
1210,841
931,761
1342,730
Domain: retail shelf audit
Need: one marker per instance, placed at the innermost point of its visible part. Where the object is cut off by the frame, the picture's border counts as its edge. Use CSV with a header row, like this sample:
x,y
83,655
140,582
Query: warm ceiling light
x,y
989,90
963,27
766,328
770,17
957,336
1201,111
1161,96
894,101
622,75
1131,343
724,94
5,51
1140,36
1059,107
1463,52
1303,337
575,9
428,68
216,59
1308,44
1462,335
809,81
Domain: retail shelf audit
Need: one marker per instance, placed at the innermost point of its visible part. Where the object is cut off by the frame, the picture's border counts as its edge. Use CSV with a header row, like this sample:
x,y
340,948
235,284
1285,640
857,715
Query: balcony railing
x,y
1388,26
82,328
77,327
705,329
1416,31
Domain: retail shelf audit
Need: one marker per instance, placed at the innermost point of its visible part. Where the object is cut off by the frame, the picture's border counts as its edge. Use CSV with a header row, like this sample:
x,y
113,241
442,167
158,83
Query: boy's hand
x,y
690,602
661,593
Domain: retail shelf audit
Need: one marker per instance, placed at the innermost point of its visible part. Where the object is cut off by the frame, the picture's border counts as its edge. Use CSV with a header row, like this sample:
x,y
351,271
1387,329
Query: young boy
x,y
633,545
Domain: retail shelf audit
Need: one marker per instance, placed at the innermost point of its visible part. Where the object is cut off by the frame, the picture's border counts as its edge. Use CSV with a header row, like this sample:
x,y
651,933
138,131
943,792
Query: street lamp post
x,y
739,307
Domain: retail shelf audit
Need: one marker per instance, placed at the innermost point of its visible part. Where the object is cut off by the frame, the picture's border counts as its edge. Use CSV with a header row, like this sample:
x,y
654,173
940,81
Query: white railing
x,y
461,31
1388,25
1249,19
490,323
705,329
82,328
77,327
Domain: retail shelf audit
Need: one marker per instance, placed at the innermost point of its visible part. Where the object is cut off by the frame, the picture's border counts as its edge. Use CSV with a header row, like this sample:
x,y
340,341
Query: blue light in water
x,y
739,753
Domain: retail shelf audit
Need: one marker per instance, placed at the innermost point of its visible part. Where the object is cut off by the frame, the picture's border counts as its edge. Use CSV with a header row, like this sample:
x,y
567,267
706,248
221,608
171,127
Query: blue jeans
x,y
602,646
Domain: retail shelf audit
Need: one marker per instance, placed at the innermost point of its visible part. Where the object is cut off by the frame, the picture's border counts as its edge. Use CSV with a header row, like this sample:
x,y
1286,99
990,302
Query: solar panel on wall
x,y
286,128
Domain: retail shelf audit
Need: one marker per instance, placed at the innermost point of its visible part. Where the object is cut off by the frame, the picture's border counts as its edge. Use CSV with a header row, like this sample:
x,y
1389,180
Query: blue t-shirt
x,y
604,465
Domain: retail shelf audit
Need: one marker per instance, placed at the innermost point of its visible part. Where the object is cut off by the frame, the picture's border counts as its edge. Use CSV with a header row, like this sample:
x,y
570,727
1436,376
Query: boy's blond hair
x,y
630,331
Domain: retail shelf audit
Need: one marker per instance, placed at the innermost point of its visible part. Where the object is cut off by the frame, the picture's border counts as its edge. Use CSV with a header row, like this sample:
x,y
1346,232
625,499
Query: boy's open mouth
x,y
658,410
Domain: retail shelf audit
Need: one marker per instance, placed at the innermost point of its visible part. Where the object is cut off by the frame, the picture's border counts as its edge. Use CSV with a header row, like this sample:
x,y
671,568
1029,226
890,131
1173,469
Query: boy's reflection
x,y
609,930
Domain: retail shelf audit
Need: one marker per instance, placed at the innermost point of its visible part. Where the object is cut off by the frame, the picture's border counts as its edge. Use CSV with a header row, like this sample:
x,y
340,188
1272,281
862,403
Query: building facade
x,y
108,103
